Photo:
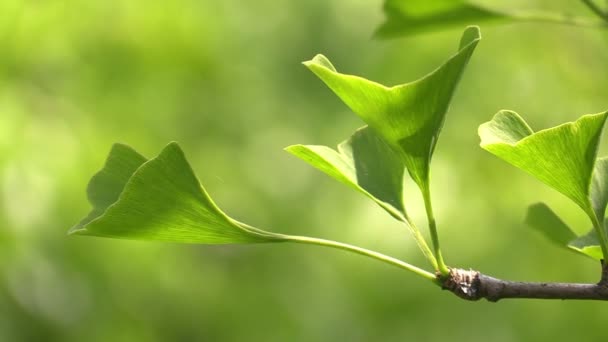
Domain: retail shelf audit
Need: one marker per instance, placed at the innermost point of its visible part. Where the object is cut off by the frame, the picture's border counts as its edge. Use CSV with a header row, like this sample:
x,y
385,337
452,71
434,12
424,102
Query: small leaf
x,y
365,163
409,116
543,219
562,157
159,199
588,245
408,17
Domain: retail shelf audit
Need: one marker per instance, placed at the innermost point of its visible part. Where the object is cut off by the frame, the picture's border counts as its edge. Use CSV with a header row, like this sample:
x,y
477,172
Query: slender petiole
x,y
426,193
362,251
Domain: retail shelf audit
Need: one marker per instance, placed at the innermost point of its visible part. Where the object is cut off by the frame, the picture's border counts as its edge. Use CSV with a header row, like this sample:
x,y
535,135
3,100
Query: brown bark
x,y
472,285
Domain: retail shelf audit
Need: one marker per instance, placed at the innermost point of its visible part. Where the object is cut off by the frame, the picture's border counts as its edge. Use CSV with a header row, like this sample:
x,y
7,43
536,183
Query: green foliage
x,y
365,163
409,117
541,218
159,199
562,157
407,17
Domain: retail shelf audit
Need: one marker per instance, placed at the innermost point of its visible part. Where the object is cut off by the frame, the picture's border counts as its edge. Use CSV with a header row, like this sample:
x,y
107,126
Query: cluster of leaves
x,y
161,198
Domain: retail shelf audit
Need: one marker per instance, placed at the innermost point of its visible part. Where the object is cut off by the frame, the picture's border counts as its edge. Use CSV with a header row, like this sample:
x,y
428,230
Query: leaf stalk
x,y
426,194
362,251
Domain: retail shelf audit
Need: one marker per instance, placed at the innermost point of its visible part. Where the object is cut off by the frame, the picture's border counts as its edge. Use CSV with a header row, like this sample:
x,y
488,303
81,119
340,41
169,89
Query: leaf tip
x,y
471,35
321,61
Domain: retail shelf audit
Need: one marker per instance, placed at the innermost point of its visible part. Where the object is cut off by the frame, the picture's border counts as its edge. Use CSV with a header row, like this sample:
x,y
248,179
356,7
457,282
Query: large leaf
x,y
365,163
407,17
408,116
562,157
159,199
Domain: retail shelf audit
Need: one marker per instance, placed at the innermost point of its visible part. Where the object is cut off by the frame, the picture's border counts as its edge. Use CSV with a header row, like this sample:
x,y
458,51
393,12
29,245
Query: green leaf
x,y
408,17
159,199
105,186
369,165
365,163
562,157
588,245
543,219
409,116
599,187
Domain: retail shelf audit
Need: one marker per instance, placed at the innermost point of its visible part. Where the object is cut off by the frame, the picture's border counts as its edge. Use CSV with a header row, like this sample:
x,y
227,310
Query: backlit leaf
x,y
159,199
365,163
409,116
407,17
562,157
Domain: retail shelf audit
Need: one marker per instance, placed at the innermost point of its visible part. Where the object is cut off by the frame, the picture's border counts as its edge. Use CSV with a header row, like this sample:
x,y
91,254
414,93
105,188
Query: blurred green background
x,y
224,79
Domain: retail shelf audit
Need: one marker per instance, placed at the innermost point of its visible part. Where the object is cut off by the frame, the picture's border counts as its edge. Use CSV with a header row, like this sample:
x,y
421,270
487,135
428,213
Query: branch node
x,y
463,283
604,278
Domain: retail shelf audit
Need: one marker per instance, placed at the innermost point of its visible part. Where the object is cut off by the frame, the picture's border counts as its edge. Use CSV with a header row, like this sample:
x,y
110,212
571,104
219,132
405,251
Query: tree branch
x,y
472,285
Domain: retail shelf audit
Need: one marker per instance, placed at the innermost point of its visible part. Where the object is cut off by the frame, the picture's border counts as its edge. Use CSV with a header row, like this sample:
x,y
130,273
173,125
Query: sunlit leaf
x,y
588,245
599,187
407,17
562,157
159,199
408,116
365,163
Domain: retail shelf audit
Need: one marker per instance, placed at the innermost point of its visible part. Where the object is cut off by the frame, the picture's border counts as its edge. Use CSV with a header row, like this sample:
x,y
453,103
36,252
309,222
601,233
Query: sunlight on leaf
x,y
365,163
159,199
409,116
599,187
562,157
408,17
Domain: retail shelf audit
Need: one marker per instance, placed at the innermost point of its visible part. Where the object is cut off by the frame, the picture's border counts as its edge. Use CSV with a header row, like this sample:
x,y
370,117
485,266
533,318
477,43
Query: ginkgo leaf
x,y
599,187
588,245
409,117
562,157
365,163
544,220
407,17
541,218
369,165
159,199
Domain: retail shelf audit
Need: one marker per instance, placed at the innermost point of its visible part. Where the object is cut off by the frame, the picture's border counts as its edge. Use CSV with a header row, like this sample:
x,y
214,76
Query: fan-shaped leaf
x,y
407,17
365,163
541,218
562,157
159,199
409,116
